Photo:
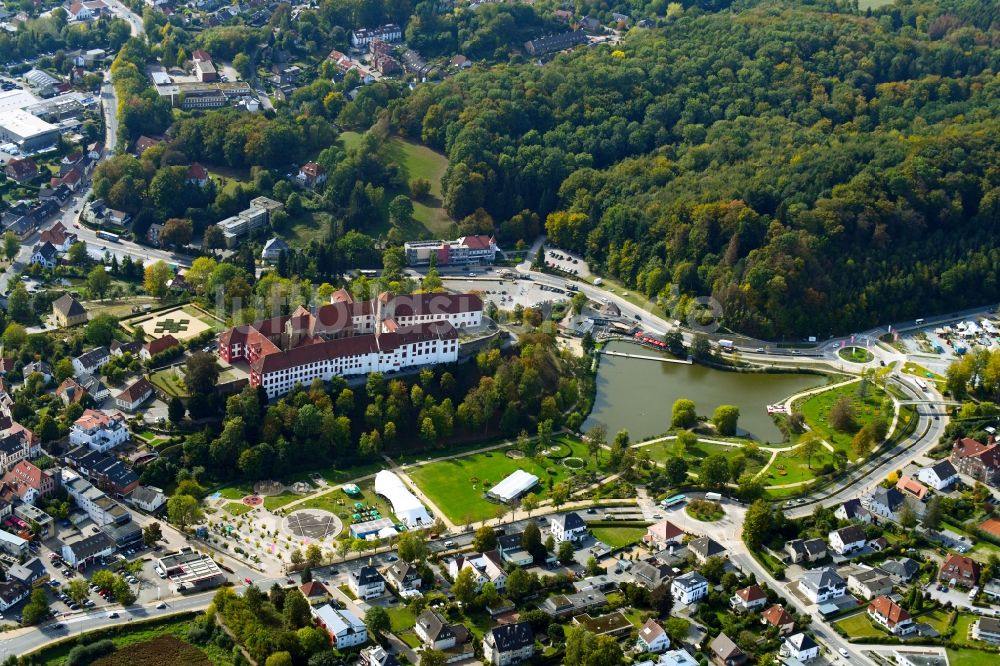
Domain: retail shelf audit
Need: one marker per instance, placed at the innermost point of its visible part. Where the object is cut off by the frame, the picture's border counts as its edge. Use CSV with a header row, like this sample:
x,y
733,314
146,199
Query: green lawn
x,y
873,4
201,316
792,467
235,492
860,626
237,508
937,618
856,354
962,624
416,161
456,486
168,381
662,451
272,502
619,537
971,658
816,410
151,438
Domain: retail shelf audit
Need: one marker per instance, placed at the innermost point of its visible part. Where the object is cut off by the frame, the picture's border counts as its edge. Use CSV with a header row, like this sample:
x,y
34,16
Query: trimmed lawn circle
x,y
556,451
856,354
574,463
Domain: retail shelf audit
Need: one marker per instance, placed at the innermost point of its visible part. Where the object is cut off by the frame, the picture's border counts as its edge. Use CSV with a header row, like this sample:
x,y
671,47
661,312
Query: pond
x,y
637,395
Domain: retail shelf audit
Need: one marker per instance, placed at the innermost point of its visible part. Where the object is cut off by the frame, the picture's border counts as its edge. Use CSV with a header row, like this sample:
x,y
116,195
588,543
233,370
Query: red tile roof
x,y
888,609
136,391
751,593
154,347
197,172
777,616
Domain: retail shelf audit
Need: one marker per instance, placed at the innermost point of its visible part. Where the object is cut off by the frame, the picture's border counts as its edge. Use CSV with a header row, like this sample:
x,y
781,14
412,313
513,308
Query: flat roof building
x,y
191,571
27,131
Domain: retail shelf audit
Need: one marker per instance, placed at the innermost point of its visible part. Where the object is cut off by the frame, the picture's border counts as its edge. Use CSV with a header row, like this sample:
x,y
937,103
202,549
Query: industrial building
x,y
28,132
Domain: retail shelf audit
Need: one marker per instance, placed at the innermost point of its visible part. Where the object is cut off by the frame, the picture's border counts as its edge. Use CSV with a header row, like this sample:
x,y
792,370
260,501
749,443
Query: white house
x,y
940,477
689,588
366,582
886,612
652,638
821,585
11,593
853,510
486,568
434,632
567,527
800,647
132,397
344,627
748,599
91,361
847,540
509,644
148,498
45,255
98,431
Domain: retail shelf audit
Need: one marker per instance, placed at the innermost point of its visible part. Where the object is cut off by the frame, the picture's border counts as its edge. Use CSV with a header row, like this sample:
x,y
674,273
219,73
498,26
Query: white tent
x,y
515,485
404,503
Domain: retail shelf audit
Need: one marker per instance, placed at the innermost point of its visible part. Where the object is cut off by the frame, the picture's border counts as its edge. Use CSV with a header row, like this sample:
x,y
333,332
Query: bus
x,y
108,236
922,385
673,501
713,497
726,345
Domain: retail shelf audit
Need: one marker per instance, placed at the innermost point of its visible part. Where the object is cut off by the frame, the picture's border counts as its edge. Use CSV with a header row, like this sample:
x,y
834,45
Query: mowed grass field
x,y
457,485
417,161
816,410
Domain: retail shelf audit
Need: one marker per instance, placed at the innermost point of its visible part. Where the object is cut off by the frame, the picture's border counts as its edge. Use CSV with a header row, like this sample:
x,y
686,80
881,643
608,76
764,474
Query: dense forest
x,y
817,172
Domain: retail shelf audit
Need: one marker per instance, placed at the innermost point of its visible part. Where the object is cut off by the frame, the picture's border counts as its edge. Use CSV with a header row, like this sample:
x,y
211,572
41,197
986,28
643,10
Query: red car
x,y
248,581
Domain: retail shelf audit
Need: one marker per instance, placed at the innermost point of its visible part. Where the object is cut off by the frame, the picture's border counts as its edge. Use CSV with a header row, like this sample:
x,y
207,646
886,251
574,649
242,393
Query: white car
x,y
843,652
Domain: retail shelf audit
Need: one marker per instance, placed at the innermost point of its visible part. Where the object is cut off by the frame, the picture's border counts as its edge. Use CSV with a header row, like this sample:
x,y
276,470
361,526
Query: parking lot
x,y
566,261
508,293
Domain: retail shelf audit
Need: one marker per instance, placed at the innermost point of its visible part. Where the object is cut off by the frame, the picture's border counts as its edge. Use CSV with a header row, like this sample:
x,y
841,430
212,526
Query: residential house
x,y
939,476
553,43
134,395
878,544
959,570
652,638
311,175
907,484
800,647
821,585
991,589
45,255
111,474
706,547
343,626
662,535
568,605
725,652
12,544
154,347
651,573
376,656
94,387
273,250
13,449
119,349
748,599
805,550
30,483
848,540
512,551
614,623
435,633
40,367
980,461
591,25
567,527
777,616
68,311
99,431
31,574
854,511
890,615
147,498
885,503
509,644
689,588
70,392
59,236
315,593
21,170
91,361
986,629
403,576
197,175
366,582
32,515
144,143
869,583
88,10
12,593
486,568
